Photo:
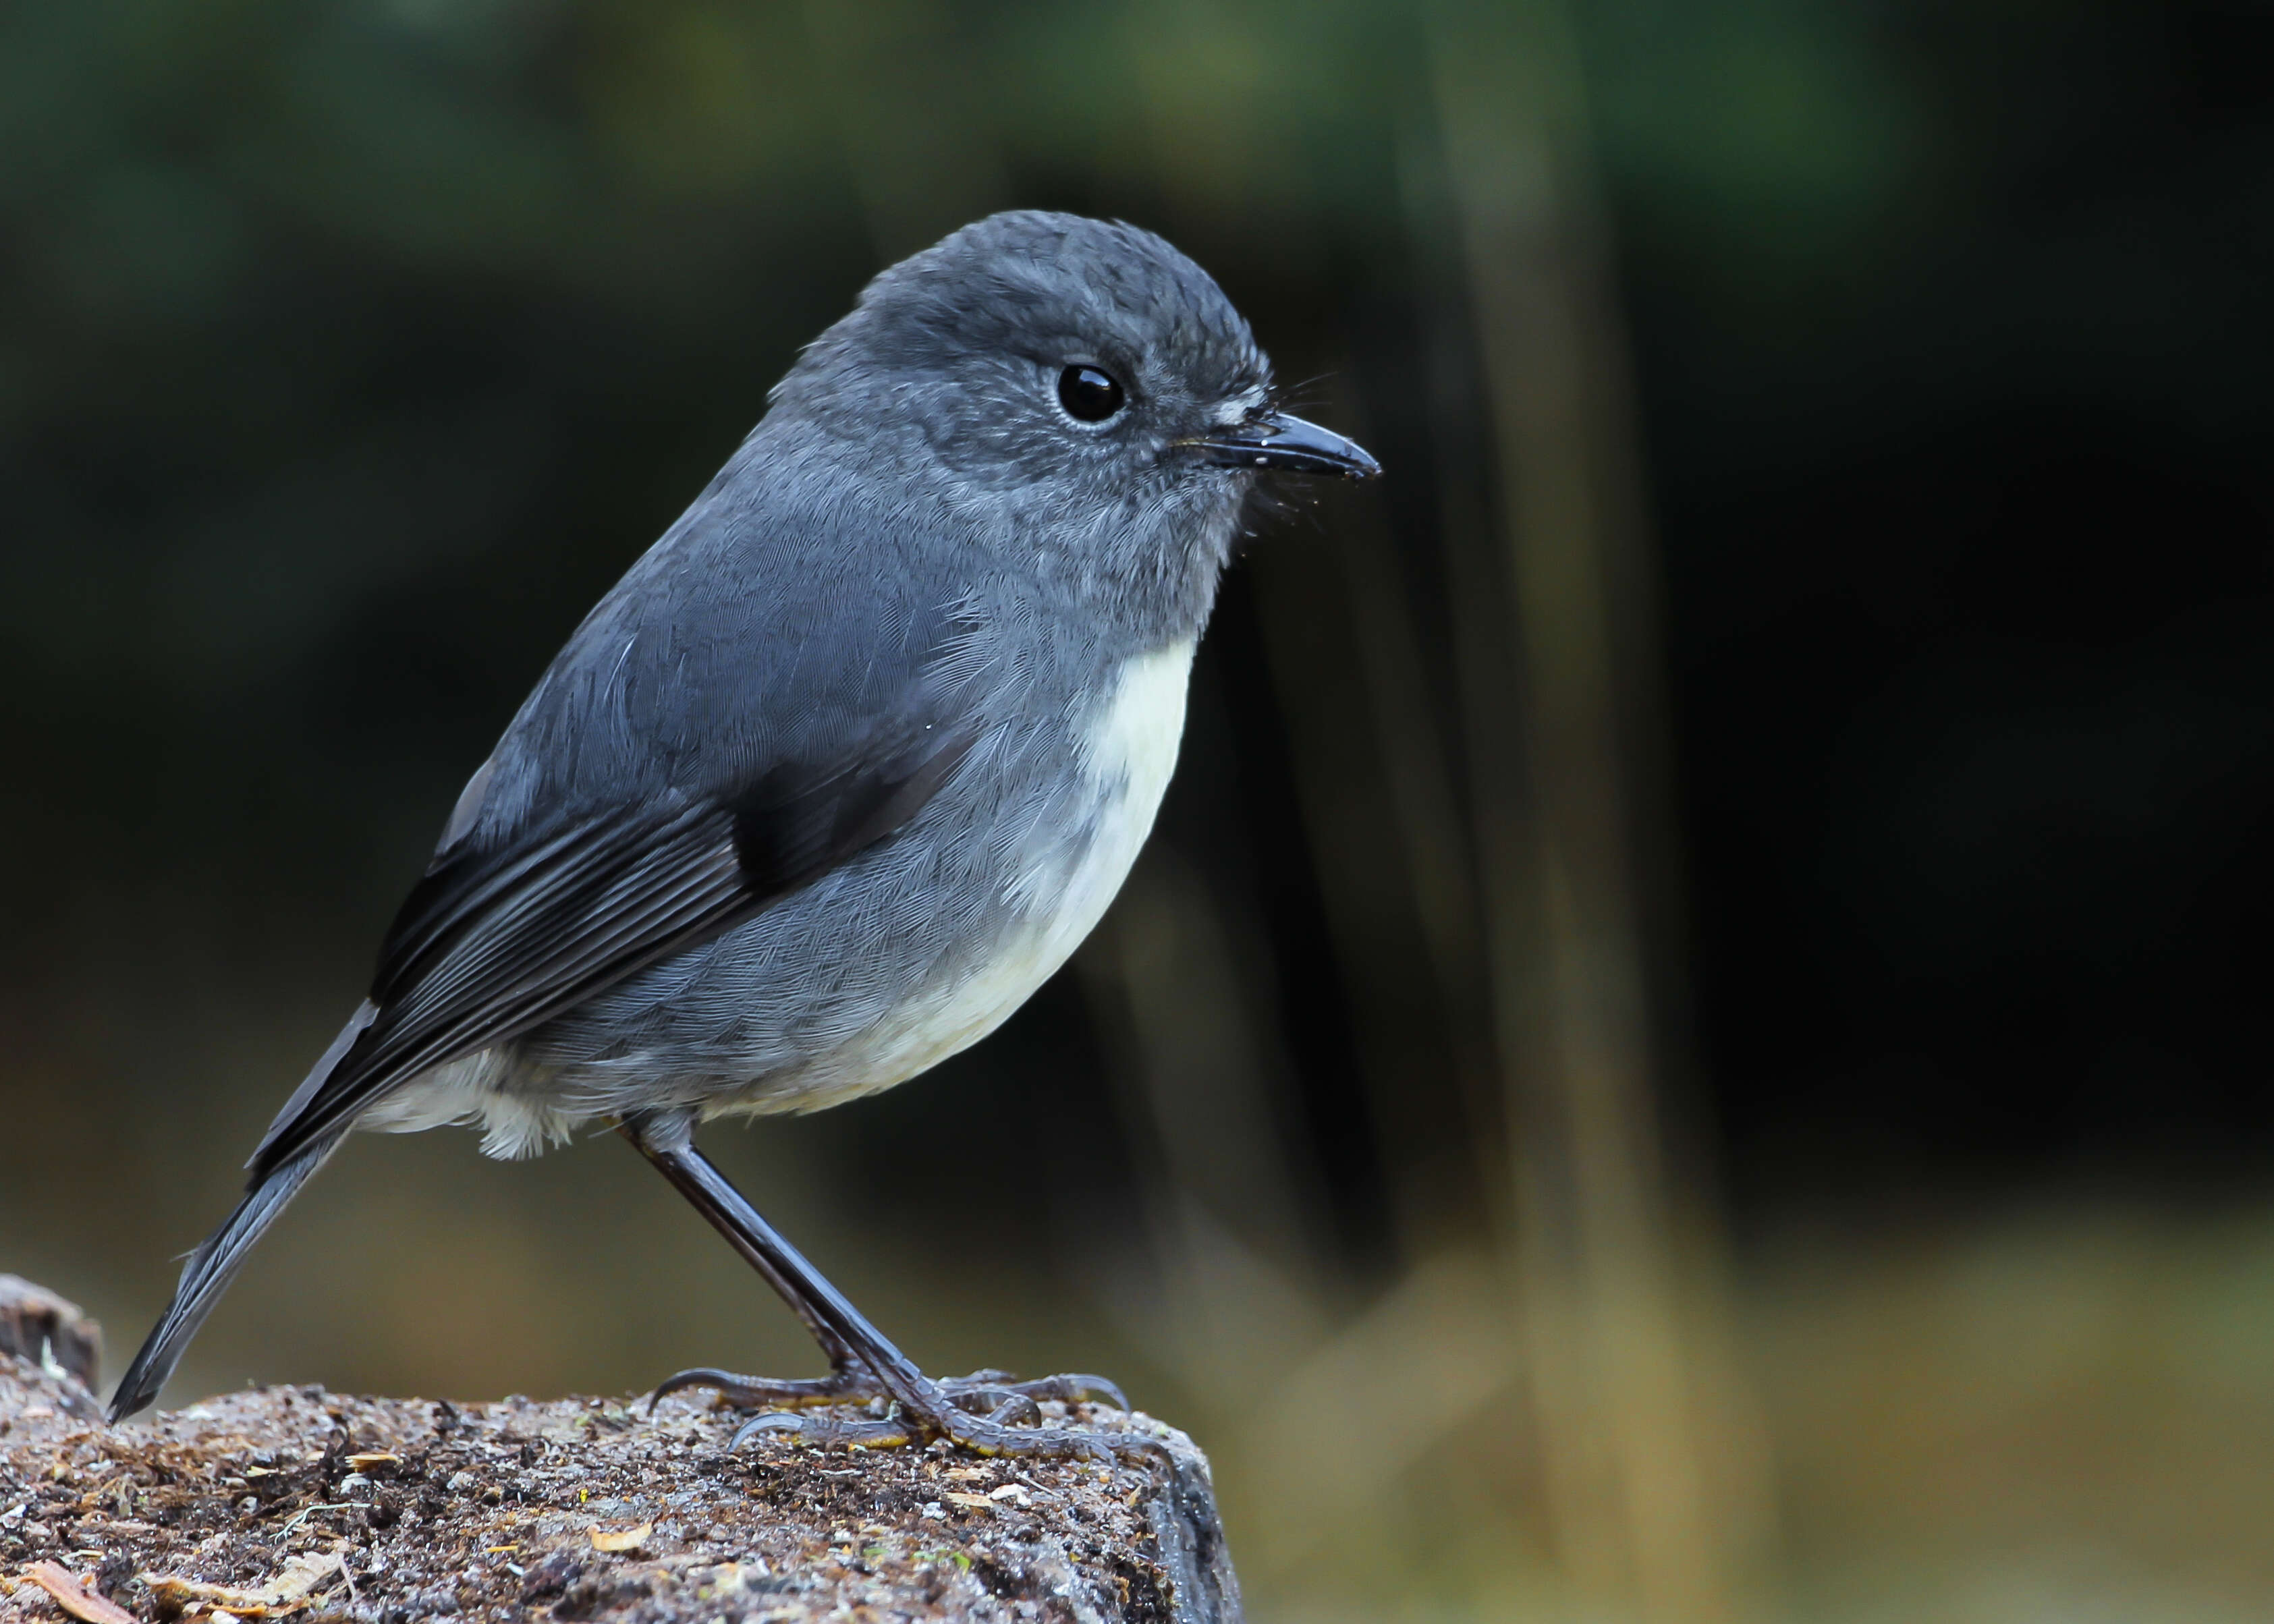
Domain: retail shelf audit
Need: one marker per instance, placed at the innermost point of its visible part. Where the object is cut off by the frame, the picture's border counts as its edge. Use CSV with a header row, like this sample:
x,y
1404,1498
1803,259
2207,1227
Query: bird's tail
x,y
210,1269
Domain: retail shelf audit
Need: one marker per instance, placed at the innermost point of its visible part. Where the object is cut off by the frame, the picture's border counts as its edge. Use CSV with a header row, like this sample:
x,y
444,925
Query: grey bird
x,y
841,770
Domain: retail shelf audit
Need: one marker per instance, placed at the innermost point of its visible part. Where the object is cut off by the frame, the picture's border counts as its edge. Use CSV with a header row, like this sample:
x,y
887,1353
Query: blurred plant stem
x,y
1649,1485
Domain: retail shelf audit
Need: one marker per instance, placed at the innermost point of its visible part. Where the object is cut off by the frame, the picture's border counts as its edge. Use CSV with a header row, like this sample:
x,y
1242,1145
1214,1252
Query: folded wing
x,y
494,943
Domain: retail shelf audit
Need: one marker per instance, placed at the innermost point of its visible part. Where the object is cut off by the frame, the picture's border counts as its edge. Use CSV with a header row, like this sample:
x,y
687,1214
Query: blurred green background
x,y
1690,1045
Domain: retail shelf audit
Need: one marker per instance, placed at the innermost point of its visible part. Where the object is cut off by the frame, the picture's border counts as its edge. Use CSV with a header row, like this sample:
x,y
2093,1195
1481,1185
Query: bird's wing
x,y
534,914
495,942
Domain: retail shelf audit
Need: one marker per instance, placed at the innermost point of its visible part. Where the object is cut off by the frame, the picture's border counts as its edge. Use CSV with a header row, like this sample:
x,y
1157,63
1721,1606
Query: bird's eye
x,y
1088,394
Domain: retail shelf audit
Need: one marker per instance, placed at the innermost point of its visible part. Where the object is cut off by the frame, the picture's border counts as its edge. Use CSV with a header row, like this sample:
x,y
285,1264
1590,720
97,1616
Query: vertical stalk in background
x,y
1635,1461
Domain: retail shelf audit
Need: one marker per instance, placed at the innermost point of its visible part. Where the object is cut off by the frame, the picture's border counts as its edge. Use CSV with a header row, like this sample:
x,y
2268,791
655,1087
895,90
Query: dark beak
x,y
1290,445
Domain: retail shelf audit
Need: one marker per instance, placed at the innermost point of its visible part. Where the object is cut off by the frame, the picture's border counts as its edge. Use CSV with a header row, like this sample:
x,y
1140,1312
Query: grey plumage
x,y
853,757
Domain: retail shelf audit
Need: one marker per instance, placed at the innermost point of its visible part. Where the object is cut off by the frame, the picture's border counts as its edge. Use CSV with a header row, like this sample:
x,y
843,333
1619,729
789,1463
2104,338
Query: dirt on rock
x,y
298,1502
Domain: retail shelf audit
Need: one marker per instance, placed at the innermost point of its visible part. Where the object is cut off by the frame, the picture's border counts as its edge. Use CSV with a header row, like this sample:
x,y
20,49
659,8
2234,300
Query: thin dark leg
x,y
841,1329
927,1409
849,1378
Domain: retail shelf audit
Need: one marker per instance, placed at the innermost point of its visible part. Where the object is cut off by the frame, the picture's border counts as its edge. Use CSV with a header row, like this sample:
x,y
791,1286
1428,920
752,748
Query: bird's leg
x,y
849,1380
981,1413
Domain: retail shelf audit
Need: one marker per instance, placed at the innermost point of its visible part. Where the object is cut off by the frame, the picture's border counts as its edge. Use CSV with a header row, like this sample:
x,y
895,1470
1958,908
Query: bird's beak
x,y
1290,445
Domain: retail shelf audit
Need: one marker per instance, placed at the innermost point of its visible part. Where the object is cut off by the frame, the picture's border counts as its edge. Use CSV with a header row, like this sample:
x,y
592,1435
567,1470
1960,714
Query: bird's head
x,y
1065,385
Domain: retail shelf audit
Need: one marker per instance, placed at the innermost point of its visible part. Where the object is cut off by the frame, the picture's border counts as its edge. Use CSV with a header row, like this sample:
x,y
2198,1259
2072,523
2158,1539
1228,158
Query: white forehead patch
x,y
1240,407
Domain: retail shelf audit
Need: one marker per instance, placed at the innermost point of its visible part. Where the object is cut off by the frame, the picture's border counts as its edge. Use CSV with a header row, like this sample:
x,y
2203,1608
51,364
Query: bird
x,y
841,770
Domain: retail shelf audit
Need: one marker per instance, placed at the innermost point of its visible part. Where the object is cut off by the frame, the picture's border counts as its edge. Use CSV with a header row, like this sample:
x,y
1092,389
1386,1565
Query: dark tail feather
x,y
208,1272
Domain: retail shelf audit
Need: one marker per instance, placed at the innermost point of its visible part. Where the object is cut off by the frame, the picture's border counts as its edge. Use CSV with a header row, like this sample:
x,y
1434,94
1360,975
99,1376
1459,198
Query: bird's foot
x,y
1012,1429
986,1412
847,1384
980,1392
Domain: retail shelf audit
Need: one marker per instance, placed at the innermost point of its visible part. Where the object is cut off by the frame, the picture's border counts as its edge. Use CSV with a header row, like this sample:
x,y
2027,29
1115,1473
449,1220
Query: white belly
x,y
1128,753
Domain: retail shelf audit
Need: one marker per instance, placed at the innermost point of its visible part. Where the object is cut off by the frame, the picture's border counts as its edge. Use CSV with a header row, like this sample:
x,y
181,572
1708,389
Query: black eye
x,y
1088,392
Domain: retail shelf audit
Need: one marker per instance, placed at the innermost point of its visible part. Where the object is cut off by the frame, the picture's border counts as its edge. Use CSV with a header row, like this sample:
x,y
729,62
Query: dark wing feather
x,y
493,944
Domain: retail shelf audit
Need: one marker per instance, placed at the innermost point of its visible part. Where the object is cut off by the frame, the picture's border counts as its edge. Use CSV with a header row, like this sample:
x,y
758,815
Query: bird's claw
x,y
985,1413
822,1430
999,1433
846,1385
979,1393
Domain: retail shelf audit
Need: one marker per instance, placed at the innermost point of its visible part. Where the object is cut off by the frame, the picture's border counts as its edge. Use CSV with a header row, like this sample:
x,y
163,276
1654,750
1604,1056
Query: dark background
x,y
348,352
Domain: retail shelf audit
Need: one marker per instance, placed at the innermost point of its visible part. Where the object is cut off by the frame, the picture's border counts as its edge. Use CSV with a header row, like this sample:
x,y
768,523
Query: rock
x,y
37,1325
525,1510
